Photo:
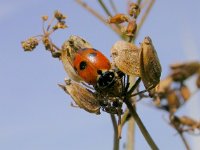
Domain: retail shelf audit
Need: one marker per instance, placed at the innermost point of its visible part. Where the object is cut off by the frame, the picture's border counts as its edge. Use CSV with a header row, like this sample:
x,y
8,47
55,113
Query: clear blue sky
x,y
36,115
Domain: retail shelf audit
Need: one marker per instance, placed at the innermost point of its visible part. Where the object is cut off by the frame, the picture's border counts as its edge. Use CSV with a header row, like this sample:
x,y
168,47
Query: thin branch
x,y
130,134
114,8
144,17
184,141
116,139
104,7
92,11
141,125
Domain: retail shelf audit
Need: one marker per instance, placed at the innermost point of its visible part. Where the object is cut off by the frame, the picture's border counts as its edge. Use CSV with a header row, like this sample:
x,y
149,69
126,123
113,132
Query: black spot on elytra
x,y
83,65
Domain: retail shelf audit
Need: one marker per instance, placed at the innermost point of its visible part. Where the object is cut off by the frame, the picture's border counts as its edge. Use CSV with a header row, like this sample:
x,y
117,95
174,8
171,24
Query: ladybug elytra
x,y
93,67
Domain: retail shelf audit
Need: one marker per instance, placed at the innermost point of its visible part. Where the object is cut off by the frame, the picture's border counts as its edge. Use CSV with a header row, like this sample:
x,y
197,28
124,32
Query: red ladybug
x,y
92,66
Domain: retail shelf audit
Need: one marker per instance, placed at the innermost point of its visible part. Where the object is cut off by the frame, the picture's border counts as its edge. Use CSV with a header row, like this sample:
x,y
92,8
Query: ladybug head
x,y
105,79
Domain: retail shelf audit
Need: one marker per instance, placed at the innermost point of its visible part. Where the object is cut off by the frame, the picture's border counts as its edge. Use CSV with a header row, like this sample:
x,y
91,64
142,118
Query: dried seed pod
x,y
83,97
198,81
126,57
182,71
162,88
185,92
134,10
173,101
59,16
68,66
45,18
131,28
188,122
68,51
73,44
150,68
118,18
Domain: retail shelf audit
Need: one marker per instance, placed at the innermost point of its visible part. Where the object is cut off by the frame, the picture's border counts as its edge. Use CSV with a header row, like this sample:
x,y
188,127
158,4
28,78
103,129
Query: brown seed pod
x,y
134,10
185,92
182,71
131,28
173,101
68,51
198,81
184,120
126,57
150,68
73,44
118,18
83,97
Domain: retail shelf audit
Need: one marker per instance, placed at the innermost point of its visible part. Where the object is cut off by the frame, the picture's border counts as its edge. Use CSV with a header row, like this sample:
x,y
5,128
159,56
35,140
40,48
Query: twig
x,y
116,139
184,141
144,17
113,6
141,125
104,7
92,11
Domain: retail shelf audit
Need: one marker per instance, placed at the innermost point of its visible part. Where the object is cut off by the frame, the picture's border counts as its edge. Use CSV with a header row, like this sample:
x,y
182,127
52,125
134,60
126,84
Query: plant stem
x,y
113,6
130,134
141,126
92,11
144,17
116,139
184,141
104,7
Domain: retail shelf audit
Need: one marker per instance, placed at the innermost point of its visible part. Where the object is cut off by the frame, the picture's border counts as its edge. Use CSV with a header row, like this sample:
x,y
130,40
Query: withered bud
x,y
45,18
182,71
185,92
198,81
189,122
47,43
59,16
173,101
83,97
60,25
29,44
118,18
131,28
134,10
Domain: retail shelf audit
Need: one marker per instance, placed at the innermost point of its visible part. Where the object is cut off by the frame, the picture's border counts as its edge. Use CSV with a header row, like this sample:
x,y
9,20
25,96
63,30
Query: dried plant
x,y
95,84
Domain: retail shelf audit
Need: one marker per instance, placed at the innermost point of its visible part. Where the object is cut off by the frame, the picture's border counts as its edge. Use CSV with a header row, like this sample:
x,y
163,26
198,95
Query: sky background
x,y
35,114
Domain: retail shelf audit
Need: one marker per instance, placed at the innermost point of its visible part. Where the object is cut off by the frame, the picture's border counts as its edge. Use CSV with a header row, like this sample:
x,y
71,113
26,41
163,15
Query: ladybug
x,y
93,67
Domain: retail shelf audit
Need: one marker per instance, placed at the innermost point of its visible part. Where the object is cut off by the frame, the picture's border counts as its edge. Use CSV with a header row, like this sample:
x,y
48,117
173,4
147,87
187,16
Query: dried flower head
x,y
59,16
45,18
29,44
134,10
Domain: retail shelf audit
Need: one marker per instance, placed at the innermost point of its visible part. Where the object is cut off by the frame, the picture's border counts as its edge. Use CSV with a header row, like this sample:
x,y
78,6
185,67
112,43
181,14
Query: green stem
x,y
141,125
104,7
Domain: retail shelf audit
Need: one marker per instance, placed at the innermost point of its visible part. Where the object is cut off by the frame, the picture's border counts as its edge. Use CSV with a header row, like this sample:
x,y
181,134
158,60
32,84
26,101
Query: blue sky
x,y
36,115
